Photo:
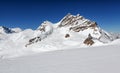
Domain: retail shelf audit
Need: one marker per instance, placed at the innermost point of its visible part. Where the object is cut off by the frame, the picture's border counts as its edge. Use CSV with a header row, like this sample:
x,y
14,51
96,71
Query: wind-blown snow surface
x,y
105,59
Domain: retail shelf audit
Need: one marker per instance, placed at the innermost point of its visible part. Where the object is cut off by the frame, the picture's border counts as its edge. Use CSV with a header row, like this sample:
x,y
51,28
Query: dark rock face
x,y
33,40
67,36
6,30
93,25
42,28
89,41
82,28
77,29
70,20
77,23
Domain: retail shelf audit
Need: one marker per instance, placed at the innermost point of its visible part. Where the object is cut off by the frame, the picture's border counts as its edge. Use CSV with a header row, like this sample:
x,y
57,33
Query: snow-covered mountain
x,y
5,30
81,25
73,31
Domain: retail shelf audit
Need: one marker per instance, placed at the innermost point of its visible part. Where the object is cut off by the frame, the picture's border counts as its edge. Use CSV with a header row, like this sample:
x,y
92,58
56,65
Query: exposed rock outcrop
x,y
82,28
67,36
4,29
33,40
44,30
70,20
89,41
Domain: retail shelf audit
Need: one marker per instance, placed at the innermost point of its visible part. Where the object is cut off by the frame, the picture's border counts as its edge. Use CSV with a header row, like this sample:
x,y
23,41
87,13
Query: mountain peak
x,y
4,29
73,20
45,23
77,22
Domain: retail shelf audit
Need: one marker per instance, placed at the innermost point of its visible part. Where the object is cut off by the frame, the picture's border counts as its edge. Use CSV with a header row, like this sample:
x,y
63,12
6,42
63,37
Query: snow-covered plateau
x,y
73,45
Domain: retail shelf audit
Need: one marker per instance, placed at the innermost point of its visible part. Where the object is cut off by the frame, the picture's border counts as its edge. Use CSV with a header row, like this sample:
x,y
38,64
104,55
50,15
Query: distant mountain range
x,y
71,31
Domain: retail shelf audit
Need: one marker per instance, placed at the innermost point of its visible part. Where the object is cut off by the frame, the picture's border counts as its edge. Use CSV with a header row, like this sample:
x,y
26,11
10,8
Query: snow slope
x,y
104,59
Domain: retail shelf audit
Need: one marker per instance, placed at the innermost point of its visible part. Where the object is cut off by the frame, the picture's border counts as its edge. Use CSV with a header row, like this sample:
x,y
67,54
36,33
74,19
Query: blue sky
x,y
31,13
